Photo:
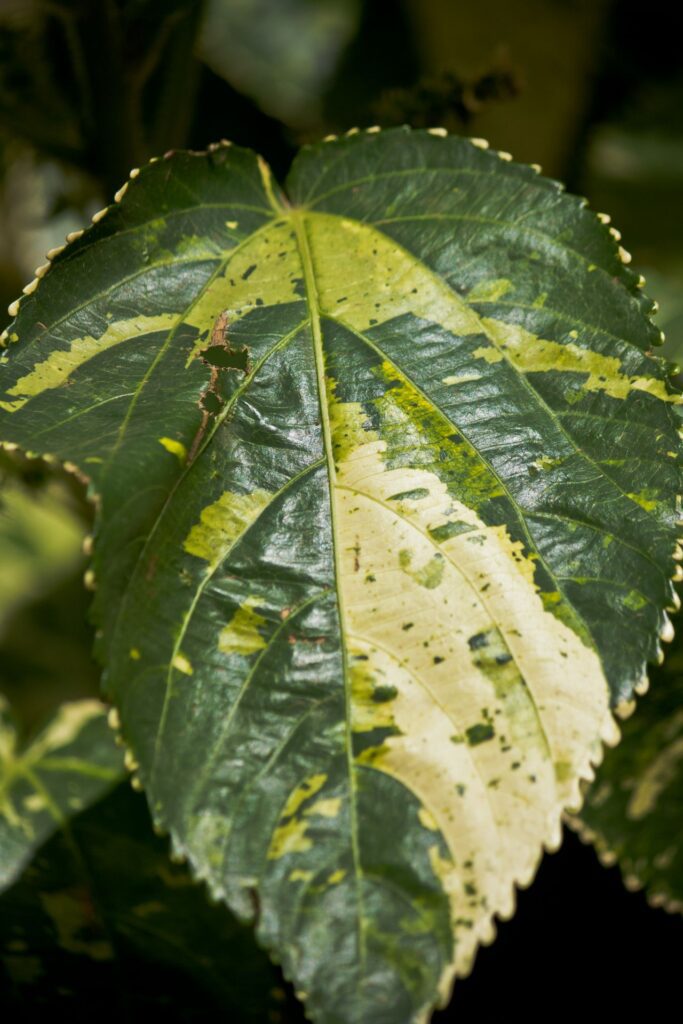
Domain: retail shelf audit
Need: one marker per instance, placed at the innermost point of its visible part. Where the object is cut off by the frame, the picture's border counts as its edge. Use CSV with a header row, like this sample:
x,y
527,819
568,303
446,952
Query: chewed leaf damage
x,y
387,482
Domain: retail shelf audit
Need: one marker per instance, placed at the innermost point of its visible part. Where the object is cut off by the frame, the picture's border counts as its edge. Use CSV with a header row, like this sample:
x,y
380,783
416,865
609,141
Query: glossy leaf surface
x,y
387,482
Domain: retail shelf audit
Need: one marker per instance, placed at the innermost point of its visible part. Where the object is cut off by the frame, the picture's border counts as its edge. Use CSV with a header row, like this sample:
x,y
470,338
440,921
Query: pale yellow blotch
x,y
134,654
231,224
647,499
363,278
241,635
65,727
60,364
533,696
427,819
336,877
463,378
531,354
312,785
325,808
222,523
182,664
289,838
490,291
299,875
176,448
35,803
654,780
255,273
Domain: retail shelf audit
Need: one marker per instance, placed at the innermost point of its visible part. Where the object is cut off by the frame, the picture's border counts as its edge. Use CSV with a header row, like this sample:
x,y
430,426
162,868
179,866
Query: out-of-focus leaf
x,y
633,810
40,542
101,922
283,53
66,768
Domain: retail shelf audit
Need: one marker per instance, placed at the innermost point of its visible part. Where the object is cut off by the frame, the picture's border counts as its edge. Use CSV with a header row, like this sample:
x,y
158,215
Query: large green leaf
x,y
387,482
67,767
632,811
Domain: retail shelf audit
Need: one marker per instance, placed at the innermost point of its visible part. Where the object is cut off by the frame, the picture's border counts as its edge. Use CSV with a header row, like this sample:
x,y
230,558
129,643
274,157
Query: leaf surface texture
x,y
387,481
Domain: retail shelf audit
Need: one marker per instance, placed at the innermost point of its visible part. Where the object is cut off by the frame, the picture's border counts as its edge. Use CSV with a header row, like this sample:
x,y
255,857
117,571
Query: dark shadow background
x,y
591,89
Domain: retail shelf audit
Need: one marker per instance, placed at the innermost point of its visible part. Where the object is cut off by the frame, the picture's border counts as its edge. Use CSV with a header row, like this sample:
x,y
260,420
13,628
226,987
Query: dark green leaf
x,y
632,812
101,922
66,768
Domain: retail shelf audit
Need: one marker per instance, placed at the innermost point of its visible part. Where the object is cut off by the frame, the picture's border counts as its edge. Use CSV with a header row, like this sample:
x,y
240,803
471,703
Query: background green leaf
x,y
281,52
67,766
632,812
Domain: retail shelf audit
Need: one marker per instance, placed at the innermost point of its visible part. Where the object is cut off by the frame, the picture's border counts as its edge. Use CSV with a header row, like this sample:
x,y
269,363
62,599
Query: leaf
x,y
67,767
102,922
632,812
387,484
40,542
281,52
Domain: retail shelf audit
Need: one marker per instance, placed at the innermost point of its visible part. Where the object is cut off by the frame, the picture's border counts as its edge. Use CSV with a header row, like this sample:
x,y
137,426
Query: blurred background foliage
x,y
88,90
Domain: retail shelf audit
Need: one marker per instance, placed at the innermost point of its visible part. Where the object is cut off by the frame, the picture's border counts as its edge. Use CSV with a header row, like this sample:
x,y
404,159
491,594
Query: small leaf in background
x,y
40,542
101,922
632,811
387,486
67,767
282,52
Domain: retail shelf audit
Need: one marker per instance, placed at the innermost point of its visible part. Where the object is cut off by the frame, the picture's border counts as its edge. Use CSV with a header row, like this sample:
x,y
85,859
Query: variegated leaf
x,y
102,923
632,812
67,767
387,483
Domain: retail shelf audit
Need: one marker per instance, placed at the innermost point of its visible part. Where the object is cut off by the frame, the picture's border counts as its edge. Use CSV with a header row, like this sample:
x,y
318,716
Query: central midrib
x,y
299,223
